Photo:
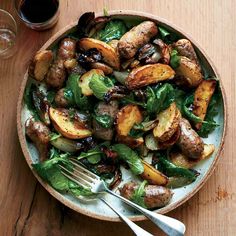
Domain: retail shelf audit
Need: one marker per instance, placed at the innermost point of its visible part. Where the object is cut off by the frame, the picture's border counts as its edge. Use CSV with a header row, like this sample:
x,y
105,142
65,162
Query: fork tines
x,y
79,174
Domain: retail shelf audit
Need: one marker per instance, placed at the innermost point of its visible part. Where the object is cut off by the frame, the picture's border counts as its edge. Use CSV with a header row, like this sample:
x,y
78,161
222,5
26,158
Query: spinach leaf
x,y
128,155
51,96
54,136
114,29
135,133
186,109
28,99
152,102
174,59
93,155
50,172
105,121
166,36
160,98
100,85
179,98
172,170
139,194
210,124
130,99
68,95
79,99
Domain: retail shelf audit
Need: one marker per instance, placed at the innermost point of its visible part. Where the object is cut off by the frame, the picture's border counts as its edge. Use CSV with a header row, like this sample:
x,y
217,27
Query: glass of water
x,y
8,31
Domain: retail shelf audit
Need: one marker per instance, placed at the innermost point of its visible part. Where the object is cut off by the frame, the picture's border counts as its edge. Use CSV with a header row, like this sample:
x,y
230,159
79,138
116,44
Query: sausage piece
x,y
155,196
39,133
189,141
60,99
103,108
134,39
57,73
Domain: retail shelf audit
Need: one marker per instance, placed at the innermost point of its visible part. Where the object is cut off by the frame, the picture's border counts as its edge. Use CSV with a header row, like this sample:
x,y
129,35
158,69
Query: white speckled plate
x,y
97,209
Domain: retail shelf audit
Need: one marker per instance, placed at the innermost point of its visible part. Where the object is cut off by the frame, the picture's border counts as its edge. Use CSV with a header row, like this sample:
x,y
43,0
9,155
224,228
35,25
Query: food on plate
x,y
149,74
121,97
57,73
108,53
168,124
69,127
39,133
40,64
189,141
150,196
135,38
202,98
189,73
185,48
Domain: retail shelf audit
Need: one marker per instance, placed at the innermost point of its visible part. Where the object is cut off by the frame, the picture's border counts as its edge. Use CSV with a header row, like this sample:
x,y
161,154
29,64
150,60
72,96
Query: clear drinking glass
x,y
38,14
8,31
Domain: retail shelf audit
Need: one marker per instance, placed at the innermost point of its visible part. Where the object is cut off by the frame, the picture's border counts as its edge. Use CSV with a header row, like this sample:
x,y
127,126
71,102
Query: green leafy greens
x,y
139,194
93,155
100,85
210,124
172,170
50,171
73,93
128,155
105,121
166,36
114,29
174,59
159,98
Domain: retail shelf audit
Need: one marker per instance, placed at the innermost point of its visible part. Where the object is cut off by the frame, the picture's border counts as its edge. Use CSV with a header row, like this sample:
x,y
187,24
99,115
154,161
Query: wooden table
x,y
27,209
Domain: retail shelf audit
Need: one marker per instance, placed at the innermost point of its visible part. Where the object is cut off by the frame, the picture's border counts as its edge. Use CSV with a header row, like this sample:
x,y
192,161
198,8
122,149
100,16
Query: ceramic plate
x,y
97,209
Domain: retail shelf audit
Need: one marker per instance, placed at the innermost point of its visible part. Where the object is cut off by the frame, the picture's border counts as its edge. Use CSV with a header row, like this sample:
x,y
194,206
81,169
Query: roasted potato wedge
x,y
152,175
130,141
202,98
108,53
139,35
179,159
207,151
185,48
188,73
40,64
85,79
149,74
168,123
126,118
107,70
72,129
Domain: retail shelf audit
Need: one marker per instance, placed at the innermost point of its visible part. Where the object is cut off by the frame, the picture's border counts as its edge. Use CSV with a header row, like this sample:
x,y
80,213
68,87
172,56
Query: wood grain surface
x,y
27,209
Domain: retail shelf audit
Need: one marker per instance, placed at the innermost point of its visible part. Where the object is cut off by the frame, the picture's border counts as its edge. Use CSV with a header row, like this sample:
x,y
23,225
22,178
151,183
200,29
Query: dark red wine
x,y
38,11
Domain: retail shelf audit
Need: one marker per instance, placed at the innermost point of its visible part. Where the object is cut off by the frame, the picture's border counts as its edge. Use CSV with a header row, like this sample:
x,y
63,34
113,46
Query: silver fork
x,y
86,178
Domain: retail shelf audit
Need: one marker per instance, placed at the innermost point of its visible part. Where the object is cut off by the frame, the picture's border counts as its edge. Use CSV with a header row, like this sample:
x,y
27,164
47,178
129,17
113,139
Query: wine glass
x,y
8,31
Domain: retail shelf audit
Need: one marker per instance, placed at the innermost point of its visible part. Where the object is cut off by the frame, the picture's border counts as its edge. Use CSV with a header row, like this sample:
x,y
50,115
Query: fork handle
x,y
135,228
169,225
